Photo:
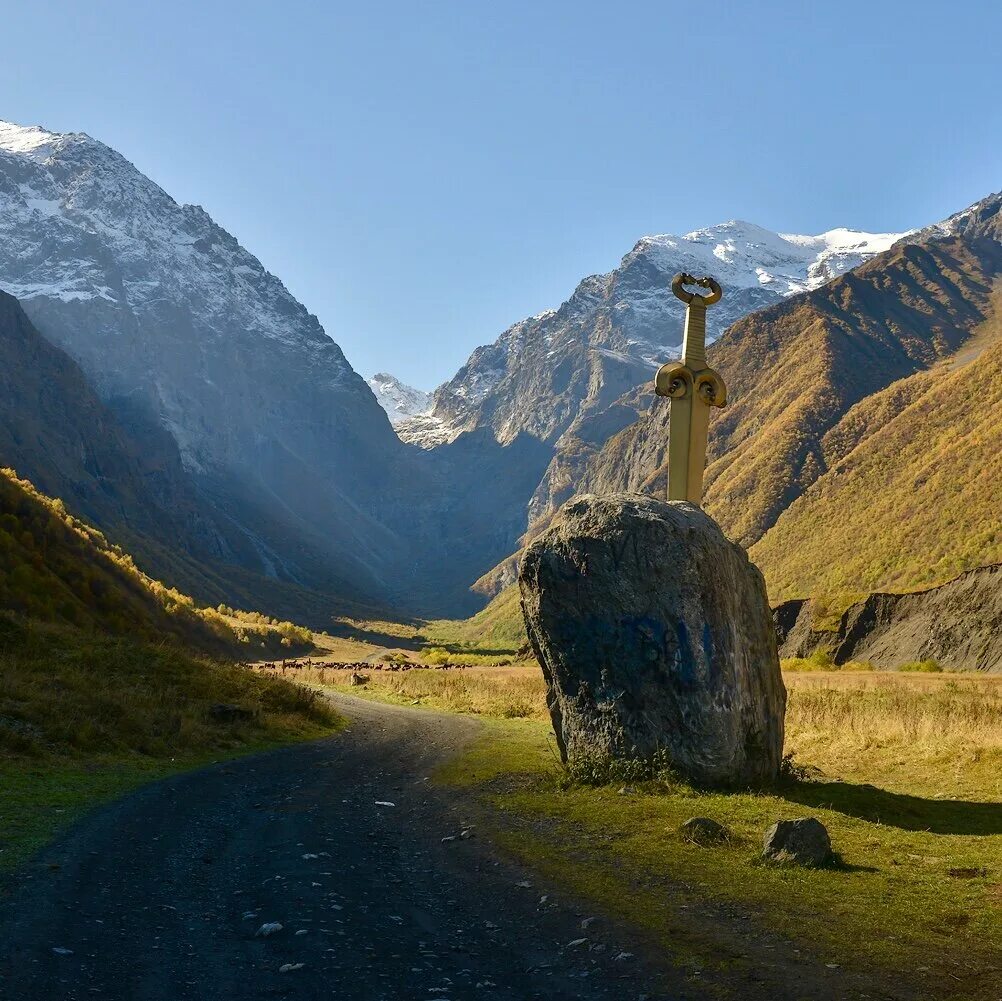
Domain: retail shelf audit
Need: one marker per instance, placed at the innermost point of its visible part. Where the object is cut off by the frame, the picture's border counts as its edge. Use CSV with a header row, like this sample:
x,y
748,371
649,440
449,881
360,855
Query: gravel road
x,y
164,895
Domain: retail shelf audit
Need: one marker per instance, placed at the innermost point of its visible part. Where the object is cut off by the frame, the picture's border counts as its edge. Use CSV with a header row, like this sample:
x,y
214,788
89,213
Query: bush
x,y
436,655
600,768
820,660
924,666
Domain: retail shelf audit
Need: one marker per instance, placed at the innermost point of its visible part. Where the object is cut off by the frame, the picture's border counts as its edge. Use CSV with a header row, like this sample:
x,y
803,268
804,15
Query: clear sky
x,y
421,175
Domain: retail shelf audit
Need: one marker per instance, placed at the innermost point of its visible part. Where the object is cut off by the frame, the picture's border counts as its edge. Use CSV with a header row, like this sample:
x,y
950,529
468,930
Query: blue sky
x,y
421,175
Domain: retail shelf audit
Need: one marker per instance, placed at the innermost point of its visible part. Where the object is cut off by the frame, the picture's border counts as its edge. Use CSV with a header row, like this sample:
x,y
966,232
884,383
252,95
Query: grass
x,y
513,692
908,496
905,770
85,717
56,568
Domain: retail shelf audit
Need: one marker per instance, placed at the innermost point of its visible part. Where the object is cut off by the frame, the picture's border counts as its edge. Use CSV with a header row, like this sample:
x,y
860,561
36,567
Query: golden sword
x,y
692,388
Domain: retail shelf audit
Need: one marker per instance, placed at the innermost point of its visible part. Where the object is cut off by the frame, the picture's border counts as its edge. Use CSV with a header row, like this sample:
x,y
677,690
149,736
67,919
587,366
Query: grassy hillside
x,y
498,627
795,370
55,568
910,496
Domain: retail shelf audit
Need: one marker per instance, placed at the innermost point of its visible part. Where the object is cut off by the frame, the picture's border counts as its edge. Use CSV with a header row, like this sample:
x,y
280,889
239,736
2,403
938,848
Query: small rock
x,y
971,873
627,790
269,928
290,967
466,835
577,942
302,931
704,831
384,802
448,838
587,923
61,951
803,842
623,957
223,712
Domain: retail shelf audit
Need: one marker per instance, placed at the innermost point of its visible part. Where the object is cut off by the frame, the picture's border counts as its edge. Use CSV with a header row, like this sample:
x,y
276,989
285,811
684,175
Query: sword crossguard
x,y
676,380
673,380
694,298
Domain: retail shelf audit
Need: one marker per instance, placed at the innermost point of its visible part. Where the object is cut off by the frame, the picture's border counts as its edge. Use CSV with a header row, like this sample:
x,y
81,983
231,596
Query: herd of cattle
x,y
353,666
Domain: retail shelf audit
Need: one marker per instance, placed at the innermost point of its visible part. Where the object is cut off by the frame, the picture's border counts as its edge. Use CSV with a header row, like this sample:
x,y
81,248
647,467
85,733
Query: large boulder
x,y
656,640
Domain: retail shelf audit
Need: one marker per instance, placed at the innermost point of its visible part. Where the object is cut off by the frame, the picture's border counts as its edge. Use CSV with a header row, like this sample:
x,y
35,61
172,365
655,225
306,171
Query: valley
x,y
265,607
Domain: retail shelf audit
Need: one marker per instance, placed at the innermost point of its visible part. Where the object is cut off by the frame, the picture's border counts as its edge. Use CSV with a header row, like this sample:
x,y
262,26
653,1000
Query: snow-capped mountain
x,y
399,400
174,322
621,325
179,327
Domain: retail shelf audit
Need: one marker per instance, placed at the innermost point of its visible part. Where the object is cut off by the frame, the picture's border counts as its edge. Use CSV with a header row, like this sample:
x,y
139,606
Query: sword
x,y
692,388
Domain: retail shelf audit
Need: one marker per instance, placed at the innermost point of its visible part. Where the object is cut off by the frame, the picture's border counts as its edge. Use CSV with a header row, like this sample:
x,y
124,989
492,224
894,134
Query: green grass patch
x,y
42,798
921,667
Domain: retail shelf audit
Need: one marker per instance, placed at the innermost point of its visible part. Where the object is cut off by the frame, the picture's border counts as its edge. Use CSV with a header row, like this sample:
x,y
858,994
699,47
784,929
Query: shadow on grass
x,y
911,813
346,631
416,643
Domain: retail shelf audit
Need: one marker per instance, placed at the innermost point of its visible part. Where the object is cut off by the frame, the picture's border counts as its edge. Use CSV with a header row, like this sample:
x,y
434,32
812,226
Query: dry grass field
x,y
940,732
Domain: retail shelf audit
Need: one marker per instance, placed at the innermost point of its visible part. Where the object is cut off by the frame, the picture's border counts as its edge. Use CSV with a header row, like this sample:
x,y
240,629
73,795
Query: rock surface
x,y
958,625
804,842
655,637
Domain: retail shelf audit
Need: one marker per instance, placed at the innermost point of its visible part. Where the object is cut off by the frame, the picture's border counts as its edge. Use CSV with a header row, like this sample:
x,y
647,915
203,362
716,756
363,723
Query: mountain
x,y
859,450
548,370
399,400
180,329
188,341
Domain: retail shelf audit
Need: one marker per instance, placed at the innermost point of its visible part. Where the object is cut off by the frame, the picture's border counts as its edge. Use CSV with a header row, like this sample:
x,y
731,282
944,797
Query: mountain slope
x,y
178,327
58,434
957,624
55,568
795,369
910,492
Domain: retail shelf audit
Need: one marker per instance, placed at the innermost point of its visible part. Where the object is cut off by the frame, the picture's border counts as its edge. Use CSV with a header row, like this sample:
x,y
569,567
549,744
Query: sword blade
x,y
679,443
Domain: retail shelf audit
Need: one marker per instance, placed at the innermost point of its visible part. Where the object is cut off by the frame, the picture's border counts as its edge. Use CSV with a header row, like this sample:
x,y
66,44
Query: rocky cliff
x,y
958,625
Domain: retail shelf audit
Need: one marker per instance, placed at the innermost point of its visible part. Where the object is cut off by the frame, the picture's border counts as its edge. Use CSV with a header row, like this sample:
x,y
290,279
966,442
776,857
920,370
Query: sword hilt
x,y
692,388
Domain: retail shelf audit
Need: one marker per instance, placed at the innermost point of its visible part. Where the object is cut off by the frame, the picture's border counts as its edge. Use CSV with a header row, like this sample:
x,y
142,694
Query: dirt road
x,y
163,896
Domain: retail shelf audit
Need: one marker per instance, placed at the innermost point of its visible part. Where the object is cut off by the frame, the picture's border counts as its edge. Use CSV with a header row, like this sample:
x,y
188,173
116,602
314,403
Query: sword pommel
x,y
694,298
